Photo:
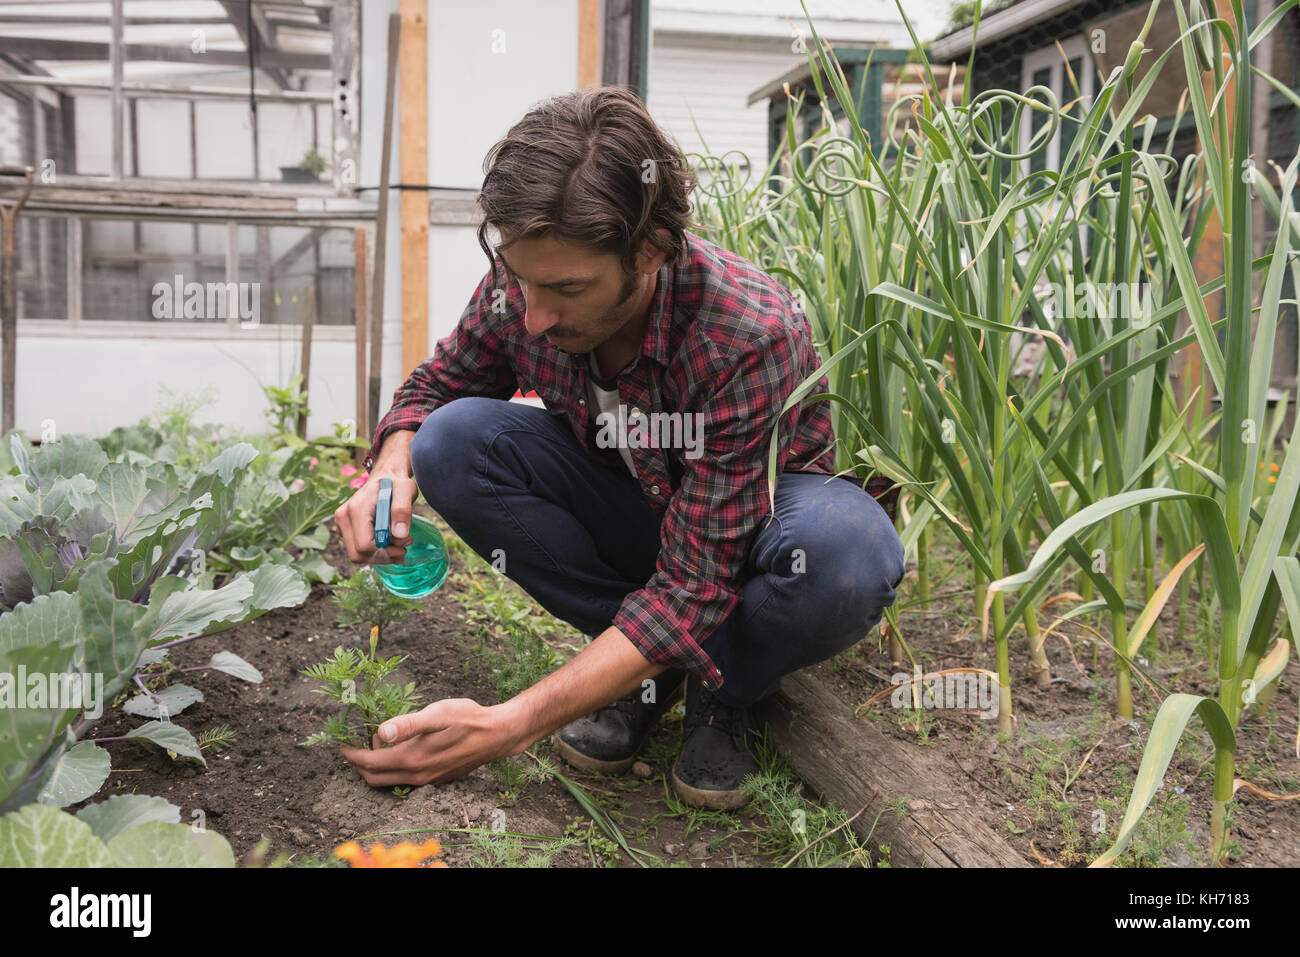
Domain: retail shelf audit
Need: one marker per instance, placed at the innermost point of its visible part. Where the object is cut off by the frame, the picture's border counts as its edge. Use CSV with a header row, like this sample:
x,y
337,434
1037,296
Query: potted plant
x,y
308,169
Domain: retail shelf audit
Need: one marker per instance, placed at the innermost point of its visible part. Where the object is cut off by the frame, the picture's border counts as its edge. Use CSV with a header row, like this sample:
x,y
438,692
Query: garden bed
x,y
1067,731
308,801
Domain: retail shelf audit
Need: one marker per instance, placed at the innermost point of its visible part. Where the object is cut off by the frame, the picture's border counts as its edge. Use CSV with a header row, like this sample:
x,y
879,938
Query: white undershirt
x,y
603,400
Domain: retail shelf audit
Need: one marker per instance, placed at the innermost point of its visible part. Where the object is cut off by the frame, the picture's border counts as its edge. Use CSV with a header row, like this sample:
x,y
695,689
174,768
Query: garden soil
x,y
308,800
1054,791
1058,788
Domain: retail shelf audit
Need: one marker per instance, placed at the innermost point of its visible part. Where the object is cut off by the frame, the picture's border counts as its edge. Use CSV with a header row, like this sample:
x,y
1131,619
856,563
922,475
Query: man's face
x,y
577,297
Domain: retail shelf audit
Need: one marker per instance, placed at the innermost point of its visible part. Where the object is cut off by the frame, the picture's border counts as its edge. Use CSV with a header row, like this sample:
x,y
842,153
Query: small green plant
x,y
181,439
501,849
1162,837
313,163
602,851
287,403
217,739
799,832
361,682
363,600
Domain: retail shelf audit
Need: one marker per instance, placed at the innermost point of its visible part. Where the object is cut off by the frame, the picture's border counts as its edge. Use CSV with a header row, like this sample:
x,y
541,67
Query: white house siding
x,y
706,80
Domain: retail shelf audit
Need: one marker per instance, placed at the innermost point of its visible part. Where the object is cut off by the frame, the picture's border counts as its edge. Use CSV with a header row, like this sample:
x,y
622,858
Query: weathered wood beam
x,y
381,227
238,15
854,764
43,48
154,91
345,139
79,20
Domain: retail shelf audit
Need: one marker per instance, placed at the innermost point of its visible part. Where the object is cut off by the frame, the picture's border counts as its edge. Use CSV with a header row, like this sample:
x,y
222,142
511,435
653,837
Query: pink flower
x,y
360,480
348,470
312,463
297,485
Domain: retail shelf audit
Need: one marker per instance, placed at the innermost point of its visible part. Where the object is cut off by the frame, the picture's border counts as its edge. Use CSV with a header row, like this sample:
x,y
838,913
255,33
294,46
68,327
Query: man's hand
x,y
356,517
441,742
452,737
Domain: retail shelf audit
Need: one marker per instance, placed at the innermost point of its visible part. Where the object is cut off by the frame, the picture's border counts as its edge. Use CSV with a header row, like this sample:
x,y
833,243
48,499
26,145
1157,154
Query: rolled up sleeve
x,y
715,513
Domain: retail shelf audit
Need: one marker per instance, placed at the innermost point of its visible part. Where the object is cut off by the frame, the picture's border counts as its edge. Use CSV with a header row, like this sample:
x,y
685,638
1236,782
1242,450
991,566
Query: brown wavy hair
x,y
590,168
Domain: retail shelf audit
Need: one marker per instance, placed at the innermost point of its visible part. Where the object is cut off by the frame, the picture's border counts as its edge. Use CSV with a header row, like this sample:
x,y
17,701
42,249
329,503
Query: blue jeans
x,y
578,536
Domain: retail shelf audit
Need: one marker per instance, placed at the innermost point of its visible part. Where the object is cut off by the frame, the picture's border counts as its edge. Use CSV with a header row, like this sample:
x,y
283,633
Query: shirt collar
x,y
655,345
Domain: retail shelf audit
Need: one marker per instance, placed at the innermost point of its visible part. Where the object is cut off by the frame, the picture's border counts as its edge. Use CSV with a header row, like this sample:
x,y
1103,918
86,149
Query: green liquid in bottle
x,y
425,567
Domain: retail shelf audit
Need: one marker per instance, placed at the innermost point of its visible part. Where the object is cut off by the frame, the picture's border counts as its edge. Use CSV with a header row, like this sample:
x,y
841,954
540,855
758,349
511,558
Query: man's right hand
x,y
356,517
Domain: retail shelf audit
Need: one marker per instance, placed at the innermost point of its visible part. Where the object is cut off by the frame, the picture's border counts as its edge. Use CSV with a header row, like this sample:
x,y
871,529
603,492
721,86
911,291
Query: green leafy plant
x,y
313,163
126,830
362,683
99,580
287,403
927,253
363,600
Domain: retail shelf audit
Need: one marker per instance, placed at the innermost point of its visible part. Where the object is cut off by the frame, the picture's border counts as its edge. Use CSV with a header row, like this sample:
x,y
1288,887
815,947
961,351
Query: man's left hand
x,y
441,742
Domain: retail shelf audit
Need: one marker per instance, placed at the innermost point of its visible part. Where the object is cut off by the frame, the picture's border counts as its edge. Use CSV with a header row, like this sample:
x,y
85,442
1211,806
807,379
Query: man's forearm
x,y
394,456
604,671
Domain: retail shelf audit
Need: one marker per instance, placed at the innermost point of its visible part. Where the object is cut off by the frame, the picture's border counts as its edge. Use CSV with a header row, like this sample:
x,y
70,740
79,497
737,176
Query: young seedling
x,y
360,682
362,600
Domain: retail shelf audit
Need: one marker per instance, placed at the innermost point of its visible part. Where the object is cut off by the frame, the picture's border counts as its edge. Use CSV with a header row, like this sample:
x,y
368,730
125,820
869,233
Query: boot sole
x,y
577,759
584,762
710,800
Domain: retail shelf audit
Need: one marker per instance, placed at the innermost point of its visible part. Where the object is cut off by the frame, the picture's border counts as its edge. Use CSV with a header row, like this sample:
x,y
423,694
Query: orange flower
x,y
404,854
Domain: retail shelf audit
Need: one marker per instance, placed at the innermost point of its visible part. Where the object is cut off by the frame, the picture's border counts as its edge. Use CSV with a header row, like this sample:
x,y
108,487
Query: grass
x,y
492,849
1051,807
508,640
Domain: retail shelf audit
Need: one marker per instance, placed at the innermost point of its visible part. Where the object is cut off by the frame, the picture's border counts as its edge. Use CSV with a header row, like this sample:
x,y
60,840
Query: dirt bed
x,y
1058,789
307,801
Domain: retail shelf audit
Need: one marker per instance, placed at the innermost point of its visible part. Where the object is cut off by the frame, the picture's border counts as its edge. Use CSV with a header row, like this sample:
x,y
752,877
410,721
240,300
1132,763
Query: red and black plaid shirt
x,y
724,340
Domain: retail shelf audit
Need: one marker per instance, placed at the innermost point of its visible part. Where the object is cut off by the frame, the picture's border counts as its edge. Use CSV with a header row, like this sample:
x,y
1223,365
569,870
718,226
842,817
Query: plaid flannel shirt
x,y
724,340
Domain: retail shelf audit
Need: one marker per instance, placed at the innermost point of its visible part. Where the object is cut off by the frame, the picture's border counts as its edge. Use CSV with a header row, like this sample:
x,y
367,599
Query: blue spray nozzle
x,y
383,512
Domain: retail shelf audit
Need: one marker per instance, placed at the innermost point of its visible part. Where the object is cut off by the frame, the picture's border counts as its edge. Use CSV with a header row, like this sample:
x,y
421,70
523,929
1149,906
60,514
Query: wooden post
x,y
308,320
588,44
345,61
359,323
381,233
9,295
414,139
116,52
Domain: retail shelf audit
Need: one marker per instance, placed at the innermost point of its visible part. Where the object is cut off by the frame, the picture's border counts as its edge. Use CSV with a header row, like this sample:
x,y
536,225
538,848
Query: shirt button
x,y
654,489
635,413
582,402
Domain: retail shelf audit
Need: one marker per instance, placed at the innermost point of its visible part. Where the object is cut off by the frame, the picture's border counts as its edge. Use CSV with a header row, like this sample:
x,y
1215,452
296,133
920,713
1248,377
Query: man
x,y
635,505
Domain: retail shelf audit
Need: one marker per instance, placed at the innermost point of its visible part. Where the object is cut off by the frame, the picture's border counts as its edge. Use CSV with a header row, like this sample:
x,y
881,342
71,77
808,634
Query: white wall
x,y
706,80
93,384
489,62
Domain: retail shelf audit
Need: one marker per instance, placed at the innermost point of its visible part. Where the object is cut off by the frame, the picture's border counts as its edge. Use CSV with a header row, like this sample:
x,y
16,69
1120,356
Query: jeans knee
x,y
442,446
861,565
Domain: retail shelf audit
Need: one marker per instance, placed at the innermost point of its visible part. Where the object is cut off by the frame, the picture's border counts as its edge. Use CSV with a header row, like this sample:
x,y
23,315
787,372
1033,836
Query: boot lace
x,y
710,712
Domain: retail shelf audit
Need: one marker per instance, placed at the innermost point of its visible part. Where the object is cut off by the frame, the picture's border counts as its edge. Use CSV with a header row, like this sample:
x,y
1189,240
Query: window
x,y
1046,67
